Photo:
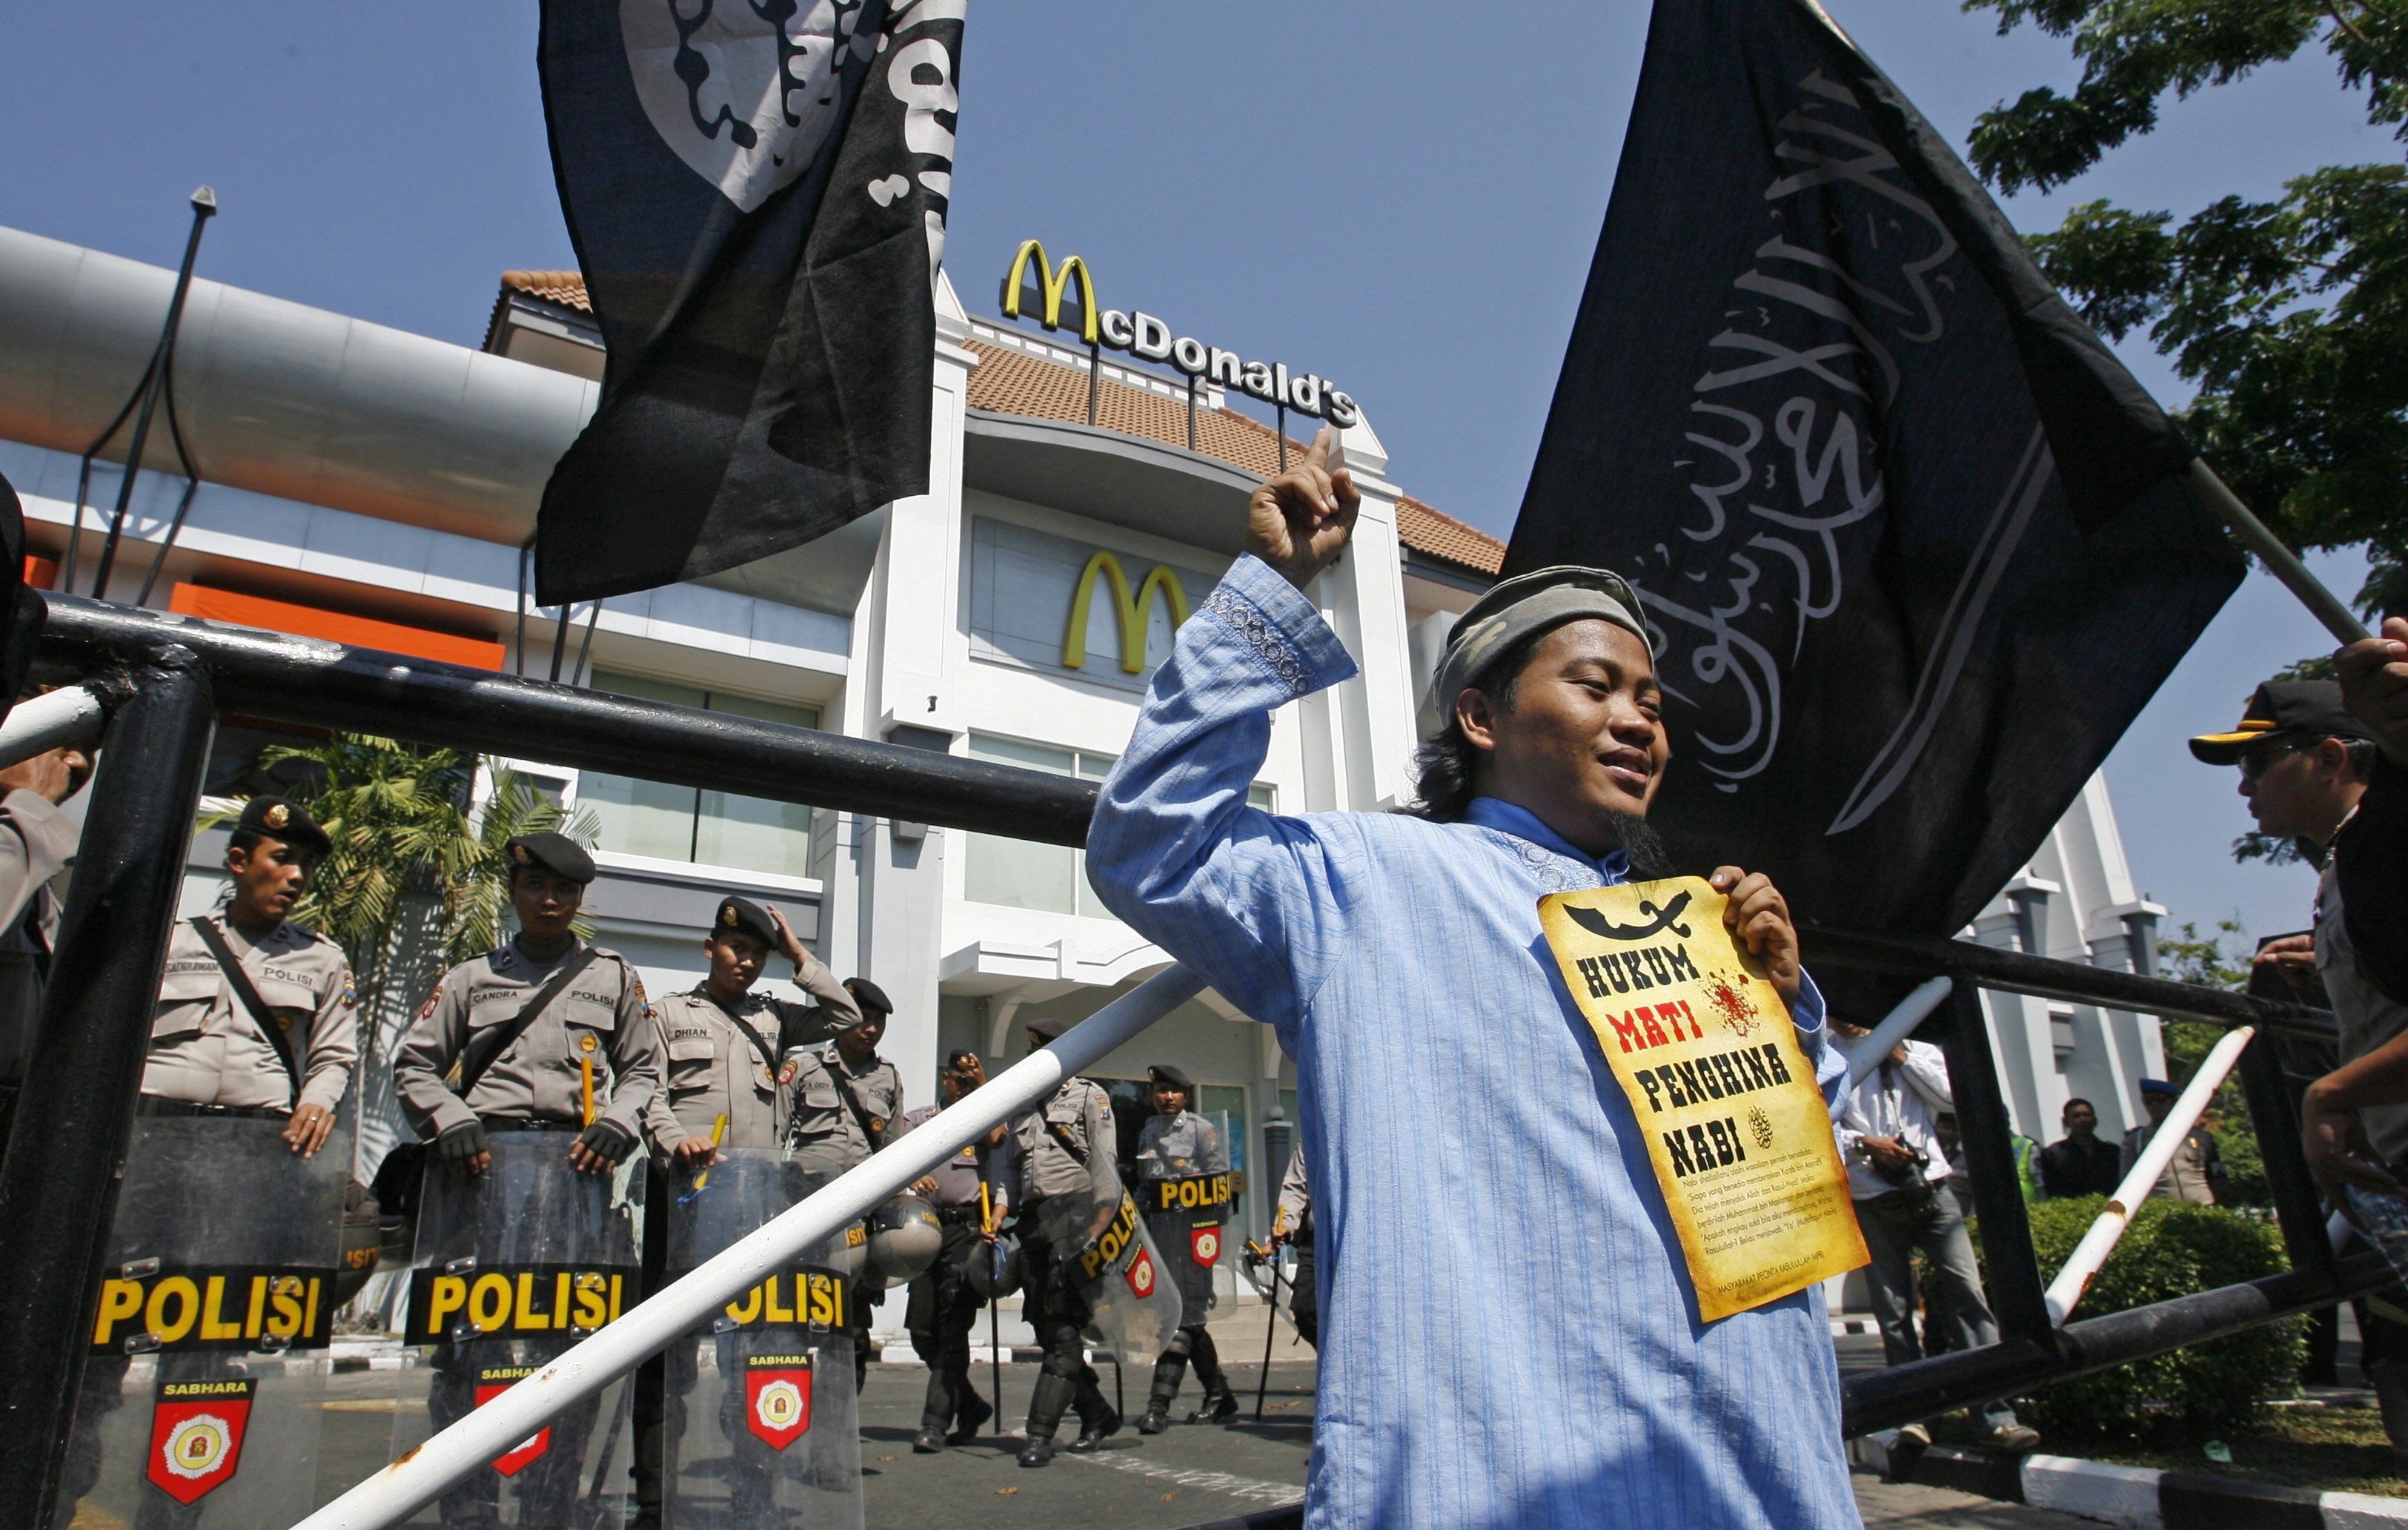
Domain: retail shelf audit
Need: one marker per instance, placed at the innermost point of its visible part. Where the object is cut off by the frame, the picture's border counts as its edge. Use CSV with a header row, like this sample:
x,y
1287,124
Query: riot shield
x,y
761,1426
1185,1205
1115,1265
202,1398
514,1265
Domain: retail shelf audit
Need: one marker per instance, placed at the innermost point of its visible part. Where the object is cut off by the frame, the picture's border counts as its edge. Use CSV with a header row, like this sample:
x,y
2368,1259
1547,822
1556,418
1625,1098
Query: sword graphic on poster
x,y
1903,528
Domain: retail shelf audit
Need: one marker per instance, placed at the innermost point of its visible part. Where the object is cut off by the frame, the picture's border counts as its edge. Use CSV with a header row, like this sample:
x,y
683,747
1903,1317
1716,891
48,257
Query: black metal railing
x,y
55,1205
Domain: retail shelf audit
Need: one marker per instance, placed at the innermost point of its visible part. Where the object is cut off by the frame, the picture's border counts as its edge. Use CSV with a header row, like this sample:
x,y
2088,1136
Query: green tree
x,y
2289,316
2201,959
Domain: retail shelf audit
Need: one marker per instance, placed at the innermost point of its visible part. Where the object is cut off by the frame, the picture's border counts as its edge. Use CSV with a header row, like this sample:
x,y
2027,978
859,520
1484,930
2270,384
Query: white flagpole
x,y
2097,1243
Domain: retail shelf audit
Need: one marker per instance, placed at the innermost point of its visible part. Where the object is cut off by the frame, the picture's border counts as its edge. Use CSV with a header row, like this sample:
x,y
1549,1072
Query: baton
x,y
702,1180
992,1253
1271,1325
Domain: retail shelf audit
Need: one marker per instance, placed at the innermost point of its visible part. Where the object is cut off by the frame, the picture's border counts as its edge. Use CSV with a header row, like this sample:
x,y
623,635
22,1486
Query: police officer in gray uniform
x,y
972,1192
212,1052
1294,1224
585,1064
844,1097
1062,1205
1176,1144
727,1086
589,1062
36,841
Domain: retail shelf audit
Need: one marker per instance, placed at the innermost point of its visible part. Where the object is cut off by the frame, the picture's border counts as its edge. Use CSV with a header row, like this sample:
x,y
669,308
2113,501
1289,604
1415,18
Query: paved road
x,y
1193,1474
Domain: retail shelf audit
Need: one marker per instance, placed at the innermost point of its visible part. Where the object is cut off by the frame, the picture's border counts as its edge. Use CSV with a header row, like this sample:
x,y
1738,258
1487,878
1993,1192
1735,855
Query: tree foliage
x,y
2290,316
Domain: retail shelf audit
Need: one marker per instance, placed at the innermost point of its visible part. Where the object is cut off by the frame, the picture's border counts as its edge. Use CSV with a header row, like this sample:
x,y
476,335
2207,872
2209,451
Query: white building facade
x,y
376,486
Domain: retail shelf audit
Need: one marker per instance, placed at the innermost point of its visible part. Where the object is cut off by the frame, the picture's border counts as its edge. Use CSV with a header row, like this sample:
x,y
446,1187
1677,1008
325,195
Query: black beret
x,y
279,819
869,996
1050,1026
743,916
555,853
1163,1072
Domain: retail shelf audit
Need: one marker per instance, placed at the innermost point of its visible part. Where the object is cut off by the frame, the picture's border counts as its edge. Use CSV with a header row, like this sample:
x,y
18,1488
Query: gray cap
x,y
1525,606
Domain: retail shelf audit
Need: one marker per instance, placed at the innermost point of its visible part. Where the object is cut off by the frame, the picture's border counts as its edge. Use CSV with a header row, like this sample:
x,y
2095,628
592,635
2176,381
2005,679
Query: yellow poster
x,y
1703,1047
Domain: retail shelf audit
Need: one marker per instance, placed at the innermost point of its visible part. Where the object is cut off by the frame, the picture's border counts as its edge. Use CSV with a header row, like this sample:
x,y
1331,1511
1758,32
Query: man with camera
x,y
1898,1177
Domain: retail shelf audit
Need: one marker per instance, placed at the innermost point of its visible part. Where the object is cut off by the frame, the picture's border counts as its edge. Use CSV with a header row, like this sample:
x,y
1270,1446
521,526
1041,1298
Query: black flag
x,y
756,190
1916,546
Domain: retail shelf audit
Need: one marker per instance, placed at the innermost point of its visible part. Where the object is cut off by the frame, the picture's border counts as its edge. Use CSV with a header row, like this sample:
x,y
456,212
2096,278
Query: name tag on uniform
x,y
1703,1049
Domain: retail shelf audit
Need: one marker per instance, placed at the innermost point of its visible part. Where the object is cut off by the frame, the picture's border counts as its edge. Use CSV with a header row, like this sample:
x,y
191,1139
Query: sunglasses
x,y
2258,761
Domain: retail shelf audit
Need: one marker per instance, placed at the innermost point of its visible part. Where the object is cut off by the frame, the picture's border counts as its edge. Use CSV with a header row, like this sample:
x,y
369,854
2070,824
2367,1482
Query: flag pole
x,y
2280,561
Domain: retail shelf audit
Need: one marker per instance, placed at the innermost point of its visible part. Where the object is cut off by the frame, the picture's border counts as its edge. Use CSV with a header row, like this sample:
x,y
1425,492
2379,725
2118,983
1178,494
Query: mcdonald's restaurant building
x,y
374,487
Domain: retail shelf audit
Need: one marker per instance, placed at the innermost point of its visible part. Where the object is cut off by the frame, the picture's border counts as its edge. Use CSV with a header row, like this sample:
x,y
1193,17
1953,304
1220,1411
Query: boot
x,y
967,1419
1168,1372
1099,1419
1046,1405
2390,1384
1219,1405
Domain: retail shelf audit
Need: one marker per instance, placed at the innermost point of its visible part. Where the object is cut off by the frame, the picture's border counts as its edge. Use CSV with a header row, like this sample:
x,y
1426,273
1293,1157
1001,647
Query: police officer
x,y
1176,1144
254,1019
1065,1153
588,1062
972,1192
576,1051
255,1013
724,1052
1293,1223
844,1097
36,841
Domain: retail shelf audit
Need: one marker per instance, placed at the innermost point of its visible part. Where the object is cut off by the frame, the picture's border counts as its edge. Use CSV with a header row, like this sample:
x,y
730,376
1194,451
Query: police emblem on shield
x,y
777,1398
1140,1273
526,1452
196,1436
1205,1244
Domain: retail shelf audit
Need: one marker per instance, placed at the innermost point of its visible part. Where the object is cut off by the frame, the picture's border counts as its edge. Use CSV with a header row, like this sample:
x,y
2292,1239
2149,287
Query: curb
x,y
1844,1327
2136,1497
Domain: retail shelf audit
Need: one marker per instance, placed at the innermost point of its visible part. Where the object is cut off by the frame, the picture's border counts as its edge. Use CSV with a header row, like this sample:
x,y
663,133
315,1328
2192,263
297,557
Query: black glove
x,y
607,1141
456,1146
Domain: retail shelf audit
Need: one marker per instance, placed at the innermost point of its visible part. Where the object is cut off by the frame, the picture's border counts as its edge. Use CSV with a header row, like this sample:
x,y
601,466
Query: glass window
x,y
1051,877
1022,873
652,818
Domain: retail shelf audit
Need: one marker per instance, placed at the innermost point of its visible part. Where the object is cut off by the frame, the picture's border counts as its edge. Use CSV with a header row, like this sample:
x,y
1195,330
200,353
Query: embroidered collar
x,y
1524,834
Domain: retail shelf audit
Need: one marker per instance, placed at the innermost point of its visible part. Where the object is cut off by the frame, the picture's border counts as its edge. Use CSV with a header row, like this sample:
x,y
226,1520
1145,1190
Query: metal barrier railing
x,y
176,674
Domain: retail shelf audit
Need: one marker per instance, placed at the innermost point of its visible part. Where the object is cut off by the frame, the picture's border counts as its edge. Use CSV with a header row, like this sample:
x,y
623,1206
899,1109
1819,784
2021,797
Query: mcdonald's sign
x,y
1053,283
1148,338
1133,609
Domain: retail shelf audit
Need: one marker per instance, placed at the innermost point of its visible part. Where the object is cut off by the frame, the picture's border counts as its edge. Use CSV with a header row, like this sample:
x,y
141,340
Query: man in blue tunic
x,y
1389,947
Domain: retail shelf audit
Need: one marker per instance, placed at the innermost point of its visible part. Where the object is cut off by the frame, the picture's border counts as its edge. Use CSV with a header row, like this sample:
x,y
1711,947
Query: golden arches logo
x,y
1054,284
1133,609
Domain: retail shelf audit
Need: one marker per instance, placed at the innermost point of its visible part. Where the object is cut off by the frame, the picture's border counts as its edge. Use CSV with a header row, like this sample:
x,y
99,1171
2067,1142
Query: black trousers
x,y
1305,1302
942,1311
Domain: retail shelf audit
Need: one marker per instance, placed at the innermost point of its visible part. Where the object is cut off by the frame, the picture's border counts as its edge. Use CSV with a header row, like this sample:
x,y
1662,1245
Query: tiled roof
x,y
1436,533
1010,382
566,288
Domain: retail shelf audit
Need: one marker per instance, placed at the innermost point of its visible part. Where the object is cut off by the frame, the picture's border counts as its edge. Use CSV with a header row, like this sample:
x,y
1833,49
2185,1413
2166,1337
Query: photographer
x,y
1896,1174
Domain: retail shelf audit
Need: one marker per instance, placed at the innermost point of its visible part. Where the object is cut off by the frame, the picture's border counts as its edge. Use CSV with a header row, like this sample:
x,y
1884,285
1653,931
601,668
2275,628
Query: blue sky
x,y
1401,196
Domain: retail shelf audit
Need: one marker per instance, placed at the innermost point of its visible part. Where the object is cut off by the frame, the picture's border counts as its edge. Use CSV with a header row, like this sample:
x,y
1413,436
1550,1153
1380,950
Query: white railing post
x,y
408,1485
2100,1241
69,716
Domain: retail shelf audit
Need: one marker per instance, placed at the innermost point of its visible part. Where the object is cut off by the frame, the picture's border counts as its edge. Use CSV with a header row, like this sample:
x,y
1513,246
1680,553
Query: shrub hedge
x,y
2174,1248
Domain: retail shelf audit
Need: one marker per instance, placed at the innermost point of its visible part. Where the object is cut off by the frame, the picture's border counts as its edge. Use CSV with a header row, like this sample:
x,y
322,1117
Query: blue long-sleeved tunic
x,y
1508,1334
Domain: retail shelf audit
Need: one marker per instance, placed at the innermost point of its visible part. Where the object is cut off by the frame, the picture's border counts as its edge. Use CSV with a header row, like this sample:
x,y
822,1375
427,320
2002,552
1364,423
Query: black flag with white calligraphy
x,y
1917,547
757,191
